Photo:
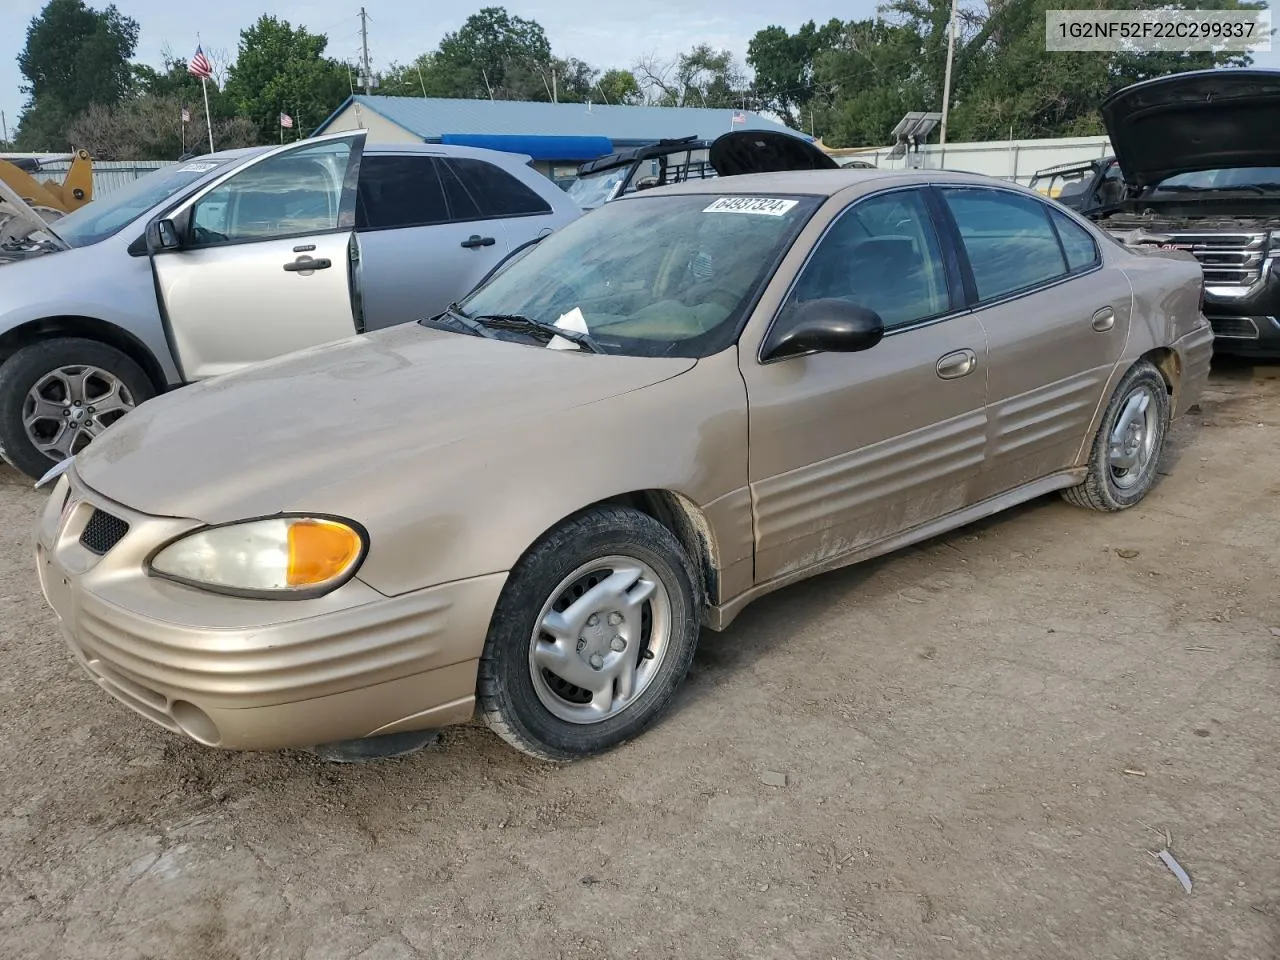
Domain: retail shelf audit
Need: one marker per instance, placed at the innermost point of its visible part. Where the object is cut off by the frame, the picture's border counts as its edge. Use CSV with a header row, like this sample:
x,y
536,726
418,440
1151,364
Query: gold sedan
x,y
530,504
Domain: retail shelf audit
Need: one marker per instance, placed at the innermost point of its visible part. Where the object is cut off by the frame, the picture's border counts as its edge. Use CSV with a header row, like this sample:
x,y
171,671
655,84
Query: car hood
x,y
1201,120
765,151
249,443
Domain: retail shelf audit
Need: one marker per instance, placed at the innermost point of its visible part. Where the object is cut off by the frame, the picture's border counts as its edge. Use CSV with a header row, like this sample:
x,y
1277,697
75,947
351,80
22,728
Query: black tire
x,y
508,699
21,372
1101,489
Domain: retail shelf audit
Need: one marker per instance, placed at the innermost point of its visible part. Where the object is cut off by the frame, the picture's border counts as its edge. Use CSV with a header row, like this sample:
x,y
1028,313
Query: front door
x,y
1056,319
849,449
264,265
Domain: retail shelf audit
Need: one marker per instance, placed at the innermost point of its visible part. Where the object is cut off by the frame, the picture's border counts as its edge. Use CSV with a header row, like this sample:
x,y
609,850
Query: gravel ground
x,y
982,739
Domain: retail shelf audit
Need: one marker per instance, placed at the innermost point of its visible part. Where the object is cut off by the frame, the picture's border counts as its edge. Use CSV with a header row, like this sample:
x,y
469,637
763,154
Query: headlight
x,y
277,558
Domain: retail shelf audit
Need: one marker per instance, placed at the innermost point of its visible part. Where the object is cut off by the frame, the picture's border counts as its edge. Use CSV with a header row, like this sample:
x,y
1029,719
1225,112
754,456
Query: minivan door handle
x,y
1104,319
475,240
307,264
959,363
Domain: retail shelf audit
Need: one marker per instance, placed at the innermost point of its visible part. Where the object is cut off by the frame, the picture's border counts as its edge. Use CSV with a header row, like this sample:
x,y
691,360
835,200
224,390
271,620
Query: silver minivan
x,y
206,266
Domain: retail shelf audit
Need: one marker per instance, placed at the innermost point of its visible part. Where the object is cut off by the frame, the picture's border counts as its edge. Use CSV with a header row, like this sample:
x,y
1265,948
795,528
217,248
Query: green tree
x,y
74,57
702,77
784,66
283,68
494,54
619,87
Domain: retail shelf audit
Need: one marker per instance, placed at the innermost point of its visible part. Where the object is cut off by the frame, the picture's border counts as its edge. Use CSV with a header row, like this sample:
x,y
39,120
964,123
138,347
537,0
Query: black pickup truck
x,y
1200,156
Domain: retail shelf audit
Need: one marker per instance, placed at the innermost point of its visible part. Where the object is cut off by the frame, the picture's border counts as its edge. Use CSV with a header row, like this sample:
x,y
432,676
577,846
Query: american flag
x,y
739,118
186,115
200,65
286,121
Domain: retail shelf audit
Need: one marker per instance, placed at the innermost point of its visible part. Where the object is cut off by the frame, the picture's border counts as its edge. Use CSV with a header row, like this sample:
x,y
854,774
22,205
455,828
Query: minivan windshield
x,y
107,215
651,275
596,189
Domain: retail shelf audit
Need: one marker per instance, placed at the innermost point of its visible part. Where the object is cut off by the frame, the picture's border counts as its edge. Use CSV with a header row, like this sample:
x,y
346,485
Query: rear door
x,y
1056,319
264,266
430,227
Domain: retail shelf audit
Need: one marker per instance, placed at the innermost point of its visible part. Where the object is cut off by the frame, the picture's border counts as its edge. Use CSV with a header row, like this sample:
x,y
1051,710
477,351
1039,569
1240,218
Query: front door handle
x,y
1104,319
475,240
958,363
308,264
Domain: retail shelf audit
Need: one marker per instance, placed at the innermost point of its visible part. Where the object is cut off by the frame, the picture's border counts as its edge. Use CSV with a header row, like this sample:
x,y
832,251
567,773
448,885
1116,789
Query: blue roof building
x,y
558,136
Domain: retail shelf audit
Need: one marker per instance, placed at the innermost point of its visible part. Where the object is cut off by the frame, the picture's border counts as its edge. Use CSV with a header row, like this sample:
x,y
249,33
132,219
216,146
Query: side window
x,y
1081,251
1008,237
297,193
399,191
496,192
882,253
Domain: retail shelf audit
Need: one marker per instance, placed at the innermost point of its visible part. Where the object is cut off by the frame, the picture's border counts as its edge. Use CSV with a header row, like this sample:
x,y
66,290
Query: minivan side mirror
x,y
829,326
162,235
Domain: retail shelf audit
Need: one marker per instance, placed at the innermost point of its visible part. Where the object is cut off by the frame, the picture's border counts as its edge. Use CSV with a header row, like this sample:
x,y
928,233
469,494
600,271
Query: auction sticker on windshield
x,y
761,206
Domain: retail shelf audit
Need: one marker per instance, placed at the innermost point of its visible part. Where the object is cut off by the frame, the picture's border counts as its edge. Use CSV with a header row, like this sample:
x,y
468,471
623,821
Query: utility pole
x,y
364,49
4,130
946,83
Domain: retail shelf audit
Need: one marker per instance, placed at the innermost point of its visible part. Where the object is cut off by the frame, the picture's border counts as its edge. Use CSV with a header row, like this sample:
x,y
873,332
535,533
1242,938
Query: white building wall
x,y
1009,159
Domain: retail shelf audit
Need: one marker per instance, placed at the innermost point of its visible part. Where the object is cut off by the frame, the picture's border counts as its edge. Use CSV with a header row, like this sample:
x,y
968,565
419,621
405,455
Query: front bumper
x,y
255,674
1246,320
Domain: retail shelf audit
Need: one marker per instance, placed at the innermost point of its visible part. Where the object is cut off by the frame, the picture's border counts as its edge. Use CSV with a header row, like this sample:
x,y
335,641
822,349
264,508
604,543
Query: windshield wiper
x,y
583,340
454,313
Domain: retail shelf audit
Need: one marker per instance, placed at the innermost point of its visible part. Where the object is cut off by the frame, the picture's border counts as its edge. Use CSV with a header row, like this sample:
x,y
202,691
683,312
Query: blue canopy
x,y
537,147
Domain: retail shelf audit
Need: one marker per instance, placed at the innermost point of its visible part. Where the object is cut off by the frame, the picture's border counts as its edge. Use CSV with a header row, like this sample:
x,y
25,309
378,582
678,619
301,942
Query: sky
x,y
399,30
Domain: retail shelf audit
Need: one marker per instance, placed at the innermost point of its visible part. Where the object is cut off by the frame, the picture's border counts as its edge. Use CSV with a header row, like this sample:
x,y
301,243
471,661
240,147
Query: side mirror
x,y
830,326
162,235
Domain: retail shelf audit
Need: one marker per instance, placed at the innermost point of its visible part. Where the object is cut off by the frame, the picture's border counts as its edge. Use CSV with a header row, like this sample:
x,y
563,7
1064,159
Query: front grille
x,y
1228,259
102,532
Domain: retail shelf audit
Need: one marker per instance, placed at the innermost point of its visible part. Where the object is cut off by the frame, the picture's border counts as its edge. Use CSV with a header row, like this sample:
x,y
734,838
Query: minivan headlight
x,y
281,557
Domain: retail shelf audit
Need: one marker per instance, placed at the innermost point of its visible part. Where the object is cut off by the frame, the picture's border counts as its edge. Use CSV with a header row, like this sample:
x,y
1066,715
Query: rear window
x,y
490,192
399,191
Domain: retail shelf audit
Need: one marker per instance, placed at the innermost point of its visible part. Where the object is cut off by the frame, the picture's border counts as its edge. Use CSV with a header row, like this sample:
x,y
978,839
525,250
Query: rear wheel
x,y
1126,450
57,395
594,631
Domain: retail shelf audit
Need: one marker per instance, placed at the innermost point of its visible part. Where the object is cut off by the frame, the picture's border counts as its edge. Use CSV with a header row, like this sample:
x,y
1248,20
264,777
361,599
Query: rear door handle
x,y
475,240
959,363
307,264
1104,319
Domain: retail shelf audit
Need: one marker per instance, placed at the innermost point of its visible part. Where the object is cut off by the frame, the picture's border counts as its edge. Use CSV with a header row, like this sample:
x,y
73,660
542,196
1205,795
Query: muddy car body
x,y
685,400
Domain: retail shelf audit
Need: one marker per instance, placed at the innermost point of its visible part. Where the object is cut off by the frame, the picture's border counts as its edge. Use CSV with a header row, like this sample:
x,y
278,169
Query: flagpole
x,y
204,85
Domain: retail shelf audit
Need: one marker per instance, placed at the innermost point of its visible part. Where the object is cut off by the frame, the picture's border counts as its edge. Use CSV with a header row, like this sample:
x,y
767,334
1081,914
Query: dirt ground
x,y
982,739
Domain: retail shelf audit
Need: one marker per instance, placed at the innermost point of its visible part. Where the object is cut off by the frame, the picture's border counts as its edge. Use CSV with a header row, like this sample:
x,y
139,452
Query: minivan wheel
x,y
57,395
1130,440
594,630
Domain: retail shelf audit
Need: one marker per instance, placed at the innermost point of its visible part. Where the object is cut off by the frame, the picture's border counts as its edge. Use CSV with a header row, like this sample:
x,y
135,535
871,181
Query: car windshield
x,y
652,275
1230,178
1063,183
107,215
596,189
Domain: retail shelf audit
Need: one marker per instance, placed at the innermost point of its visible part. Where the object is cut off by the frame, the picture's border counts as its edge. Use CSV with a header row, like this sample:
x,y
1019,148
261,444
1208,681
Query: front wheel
x,y
57,395
592,634
1126,450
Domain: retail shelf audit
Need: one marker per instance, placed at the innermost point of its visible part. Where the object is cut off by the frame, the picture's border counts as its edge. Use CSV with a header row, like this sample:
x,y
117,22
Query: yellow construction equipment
x,y
48,198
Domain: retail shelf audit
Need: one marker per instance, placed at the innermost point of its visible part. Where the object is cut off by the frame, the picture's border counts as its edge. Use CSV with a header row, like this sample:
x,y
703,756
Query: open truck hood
x,y
765,151
1200,120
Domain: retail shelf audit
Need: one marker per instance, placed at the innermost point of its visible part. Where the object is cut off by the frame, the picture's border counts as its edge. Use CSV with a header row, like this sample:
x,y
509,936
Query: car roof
x,y
822,182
